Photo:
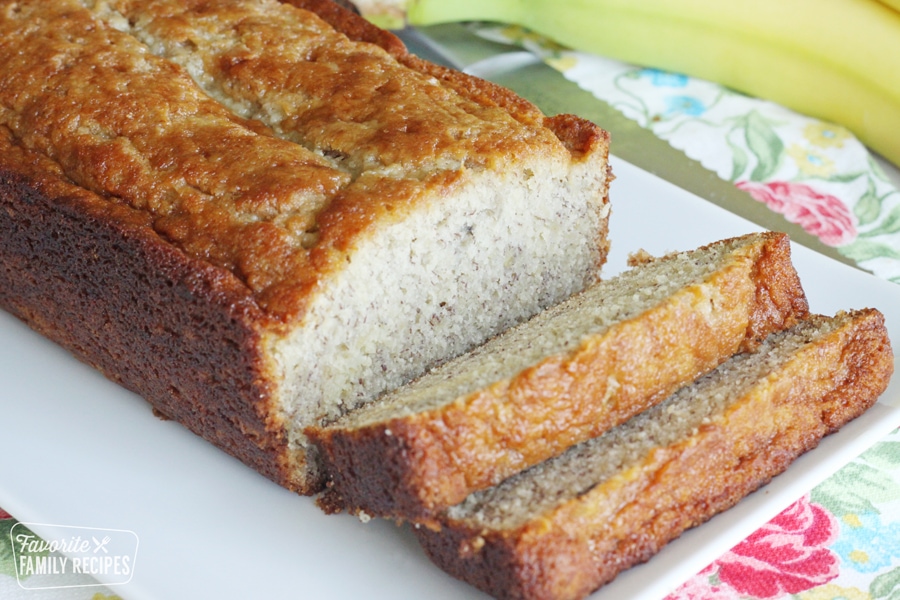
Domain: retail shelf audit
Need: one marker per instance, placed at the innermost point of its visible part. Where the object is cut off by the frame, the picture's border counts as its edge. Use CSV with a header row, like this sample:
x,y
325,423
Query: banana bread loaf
x,y
567,375
258,219
569,525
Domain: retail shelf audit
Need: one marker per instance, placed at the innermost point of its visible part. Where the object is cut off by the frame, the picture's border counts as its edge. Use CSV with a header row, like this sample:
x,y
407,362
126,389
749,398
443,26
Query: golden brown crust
x,y
777,298
579,135
411,467
584,543
481,90
354,27
135,129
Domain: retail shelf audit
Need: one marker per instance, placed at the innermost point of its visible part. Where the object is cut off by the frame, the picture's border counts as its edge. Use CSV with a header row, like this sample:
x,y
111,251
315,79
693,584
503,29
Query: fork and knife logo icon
x,y
101,545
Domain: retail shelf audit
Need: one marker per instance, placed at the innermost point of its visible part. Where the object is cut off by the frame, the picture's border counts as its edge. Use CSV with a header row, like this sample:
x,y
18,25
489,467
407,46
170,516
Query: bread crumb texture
x,y
556,331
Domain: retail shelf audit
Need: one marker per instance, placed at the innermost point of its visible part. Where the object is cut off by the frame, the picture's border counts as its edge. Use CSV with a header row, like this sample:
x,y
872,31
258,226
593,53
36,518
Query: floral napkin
x,y
840,542
816,174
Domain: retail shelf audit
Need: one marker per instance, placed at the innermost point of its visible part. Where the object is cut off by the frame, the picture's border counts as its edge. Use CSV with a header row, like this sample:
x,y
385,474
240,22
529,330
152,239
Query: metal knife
x,y
455,46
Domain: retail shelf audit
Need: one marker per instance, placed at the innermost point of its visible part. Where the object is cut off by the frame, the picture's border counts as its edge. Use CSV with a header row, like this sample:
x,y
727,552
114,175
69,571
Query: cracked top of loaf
x,y
255,135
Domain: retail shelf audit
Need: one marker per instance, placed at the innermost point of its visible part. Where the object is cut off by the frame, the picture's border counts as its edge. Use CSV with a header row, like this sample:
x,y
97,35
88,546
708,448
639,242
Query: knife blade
x,y
455,46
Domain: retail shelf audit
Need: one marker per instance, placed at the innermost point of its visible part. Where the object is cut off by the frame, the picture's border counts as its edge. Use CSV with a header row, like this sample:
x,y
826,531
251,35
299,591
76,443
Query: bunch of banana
x,y
836,60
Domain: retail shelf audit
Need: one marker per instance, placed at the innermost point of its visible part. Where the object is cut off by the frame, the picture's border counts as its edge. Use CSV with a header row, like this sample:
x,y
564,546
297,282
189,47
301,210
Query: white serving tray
x,y
77,450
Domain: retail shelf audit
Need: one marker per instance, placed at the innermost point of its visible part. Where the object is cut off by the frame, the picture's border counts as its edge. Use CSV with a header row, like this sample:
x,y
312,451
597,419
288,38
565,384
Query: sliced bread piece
x,y
569,525
569,374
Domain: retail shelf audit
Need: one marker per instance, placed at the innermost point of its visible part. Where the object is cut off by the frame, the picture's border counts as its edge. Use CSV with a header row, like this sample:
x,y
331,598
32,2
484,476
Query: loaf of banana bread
x,y
261,215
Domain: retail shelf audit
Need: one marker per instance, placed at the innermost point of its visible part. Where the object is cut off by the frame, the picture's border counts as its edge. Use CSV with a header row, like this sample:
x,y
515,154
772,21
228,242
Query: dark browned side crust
x,y
572,550
95,277
412,467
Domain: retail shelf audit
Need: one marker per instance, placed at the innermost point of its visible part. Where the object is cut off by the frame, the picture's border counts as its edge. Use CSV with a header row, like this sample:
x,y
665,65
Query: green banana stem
x,y
837,60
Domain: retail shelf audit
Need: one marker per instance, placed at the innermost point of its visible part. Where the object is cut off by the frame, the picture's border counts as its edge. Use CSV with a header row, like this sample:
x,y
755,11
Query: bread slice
x,y
569,525
259,220
568,374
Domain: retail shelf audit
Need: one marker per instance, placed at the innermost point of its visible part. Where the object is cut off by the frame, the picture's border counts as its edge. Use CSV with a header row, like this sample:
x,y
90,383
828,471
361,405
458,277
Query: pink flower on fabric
x,y
822,215
788,555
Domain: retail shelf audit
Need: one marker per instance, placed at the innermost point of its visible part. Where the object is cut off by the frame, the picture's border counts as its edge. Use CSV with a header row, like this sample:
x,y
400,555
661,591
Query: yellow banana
x,y
837,60
895,4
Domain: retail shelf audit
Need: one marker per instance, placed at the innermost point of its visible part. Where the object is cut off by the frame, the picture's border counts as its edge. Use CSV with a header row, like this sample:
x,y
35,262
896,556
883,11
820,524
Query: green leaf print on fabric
x,y
884,455
868,207
890,224
739,160
764,143
855,489
7,559
7,556
863,250
886,586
